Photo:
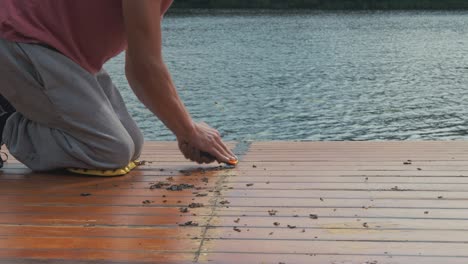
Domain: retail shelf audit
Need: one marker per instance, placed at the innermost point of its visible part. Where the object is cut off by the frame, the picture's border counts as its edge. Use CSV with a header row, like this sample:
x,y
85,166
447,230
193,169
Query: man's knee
x,y
116,153
138,141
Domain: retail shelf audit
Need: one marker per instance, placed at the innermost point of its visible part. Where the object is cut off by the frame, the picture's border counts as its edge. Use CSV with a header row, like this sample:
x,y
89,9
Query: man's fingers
x,y
218,154
227,152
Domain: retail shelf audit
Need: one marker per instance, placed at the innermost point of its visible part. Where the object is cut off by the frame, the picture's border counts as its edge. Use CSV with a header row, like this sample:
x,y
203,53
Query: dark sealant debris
x,y
236,229
224,202
440,197
195,205
321,199
204,170
85,194
249,184
159,185
254,166
201,195
184,210
291,226
276,224
272,212
189,223
237,220
396,188
186,173
180,187
426,212
408,162
365,225
313,216
147,202
142,163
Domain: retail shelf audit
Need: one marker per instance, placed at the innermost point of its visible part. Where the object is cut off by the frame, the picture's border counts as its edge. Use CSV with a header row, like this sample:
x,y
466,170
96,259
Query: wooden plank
x,y
107,231
353,167
96,200
106,220
161,195
174,213
344,203
343,223
8,175
433,249
339,212
314,258
355,179
92,256
149,211
345,194
307,234
355,186
135,244
331,172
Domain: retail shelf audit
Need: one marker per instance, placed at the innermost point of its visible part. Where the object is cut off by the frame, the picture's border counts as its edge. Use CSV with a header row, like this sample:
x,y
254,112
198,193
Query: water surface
x,y
263,75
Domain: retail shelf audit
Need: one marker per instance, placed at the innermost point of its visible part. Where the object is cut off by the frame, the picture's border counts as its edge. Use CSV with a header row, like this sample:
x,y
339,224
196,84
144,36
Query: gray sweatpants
x,y
66,116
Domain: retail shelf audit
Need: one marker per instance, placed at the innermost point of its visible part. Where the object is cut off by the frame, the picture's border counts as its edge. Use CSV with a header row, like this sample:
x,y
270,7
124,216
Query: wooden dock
x,y
286,202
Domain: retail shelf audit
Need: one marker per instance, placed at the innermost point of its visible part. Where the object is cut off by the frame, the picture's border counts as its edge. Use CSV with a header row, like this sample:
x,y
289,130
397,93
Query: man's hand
x,y
204,145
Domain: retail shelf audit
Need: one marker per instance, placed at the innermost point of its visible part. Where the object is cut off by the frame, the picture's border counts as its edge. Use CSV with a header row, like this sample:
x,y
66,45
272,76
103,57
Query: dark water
x,y
317,76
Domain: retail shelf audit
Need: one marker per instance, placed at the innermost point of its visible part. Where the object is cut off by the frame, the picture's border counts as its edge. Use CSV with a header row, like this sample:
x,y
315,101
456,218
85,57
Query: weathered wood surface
x,y
370,207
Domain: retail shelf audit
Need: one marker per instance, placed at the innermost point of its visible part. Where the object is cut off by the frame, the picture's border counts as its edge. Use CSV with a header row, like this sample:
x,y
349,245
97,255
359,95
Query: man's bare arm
x,y
152,83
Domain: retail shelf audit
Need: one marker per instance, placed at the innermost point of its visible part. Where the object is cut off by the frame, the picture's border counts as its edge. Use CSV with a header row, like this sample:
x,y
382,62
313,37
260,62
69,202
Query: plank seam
x,y
242,147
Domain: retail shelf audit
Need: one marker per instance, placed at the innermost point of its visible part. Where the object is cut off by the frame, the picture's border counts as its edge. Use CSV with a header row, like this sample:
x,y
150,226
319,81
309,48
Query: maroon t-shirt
x,y
89,32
